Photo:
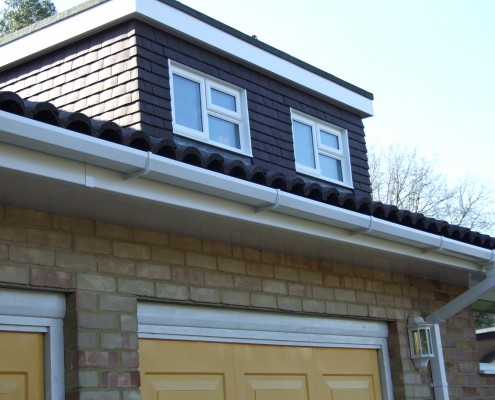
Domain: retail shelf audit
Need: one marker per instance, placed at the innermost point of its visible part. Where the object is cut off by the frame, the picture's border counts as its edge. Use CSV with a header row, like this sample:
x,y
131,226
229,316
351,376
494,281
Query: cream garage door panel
x,y
273,372
347,374
21,366
186,370
177,370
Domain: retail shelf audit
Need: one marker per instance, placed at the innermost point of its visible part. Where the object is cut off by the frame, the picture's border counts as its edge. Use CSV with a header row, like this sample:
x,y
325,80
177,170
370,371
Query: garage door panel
x,y
349,387
21,366
175,370
186,386
13,386
276,387
344,374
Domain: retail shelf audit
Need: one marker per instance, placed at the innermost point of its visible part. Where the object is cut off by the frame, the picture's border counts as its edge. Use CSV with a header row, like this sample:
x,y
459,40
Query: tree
x,y
402,178
18,14
483,319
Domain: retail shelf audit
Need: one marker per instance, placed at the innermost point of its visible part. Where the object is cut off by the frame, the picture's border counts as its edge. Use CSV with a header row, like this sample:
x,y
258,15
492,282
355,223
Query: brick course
x,y
101,323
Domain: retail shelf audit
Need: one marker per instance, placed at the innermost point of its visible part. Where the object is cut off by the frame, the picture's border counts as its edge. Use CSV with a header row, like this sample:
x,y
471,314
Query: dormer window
x,y
210,110
321,149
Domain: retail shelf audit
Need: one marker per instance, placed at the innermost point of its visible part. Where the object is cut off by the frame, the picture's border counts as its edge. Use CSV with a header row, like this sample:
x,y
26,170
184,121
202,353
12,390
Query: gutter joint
x,y
140,172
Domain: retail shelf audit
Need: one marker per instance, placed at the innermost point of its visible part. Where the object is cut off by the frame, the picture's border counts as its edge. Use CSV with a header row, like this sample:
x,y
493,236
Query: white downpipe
x,y
439,376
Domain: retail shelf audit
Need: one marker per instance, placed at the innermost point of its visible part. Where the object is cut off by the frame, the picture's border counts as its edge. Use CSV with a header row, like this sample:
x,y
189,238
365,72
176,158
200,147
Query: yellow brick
x,y
231,265
286,273
132,250
151,237
92,244
117,266
185,243
201,260
47,238
73,224
246,253
113,231
220,249
29,217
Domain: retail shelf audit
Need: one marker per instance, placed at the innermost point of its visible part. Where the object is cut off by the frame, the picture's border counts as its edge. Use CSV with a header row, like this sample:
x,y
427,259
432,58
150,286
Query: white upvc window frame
x,y
23,311
206,83
209,324
342,154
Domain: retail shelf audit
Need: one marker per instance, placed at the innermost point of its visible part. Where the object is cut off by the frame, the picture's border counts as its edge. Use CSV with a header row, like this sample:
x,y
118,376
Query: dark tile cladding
x,y
205,158
121,75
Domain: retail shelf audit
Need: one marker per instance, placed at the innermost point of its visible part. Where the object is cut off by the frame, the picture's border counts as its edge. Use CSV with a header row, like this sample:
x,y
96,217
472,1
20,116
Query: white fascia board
x,y
211,36
65,30
172,19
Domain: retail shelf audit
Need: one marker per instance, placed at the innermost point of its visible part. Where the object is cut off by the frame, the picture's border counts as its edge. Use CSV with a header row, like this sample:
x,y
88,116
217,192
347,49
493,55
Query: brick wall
x,y
105,269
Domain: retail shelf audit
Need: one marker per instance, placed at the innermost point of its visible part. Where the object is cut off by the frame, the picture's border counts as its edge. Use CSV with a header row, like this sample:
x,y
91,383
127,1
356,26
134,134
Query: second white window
x,y
321,149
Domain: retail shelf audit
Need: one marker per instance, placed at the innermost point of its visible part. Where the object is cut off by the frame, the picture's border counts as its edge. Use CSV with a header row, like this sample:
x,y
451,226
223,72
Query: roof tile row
x,y
167,147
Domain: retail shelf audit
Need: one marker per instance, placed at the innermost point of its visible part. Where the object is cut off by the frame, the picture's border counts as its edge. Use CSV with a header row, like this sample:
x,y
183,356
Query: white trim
x,y
172,19
24,311
177,322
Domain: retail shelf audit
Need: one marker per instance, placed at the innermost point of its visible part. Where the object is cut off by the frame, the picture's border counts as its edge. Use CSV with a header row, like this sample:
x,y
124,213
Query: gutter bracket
x,y
271,206
140,172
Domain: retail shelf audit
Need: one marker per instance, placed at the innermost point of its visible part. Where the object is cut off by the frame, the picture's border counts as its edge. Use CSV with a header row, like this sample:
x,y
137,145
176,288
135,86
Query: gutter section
x,y
89,158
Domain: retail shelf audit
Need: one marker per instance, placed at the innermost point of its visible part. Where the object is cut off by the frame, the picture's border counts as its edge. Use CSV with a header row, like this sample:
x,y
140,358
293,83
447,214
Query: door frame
x,y
24,311
211,324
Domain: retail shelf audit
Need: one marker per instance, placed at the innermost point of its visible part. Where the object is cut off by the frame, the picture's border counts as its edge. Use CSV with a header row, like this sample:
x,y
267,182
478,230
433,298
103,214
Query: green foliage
x,y
18,14
483,319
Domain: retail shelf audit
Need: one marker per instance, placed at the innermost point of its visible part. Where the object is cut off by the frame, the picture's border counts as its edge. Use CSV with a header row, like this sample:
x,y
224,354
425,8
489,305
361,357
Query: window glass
x,y
224,132
331,167
223,100
329,139
187,98
304,147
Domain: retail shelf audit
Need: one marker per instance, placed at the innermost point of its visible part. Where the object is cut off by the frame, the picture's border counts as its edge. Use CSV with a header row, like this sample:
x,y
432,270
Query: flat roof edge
x,y
116,11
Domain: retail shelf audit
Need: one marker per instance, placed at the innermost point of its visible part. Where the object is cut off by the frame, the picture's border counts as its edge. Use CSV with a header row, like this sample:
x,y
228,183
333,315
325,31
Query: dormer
x,y
162,69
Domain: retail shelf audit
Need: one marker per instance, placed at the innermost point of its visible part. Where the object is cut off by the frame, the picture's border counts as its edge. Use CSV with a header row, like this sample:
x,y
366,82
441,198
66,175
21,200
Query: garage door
x,y
187,370
21,366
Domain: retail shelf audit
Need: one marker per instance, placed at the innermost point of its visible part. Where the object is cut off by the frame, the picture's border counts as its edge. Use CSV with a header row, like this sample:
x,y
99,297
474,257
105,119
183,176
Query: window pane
x,y
329,140
331,168
187,103
224,132
303,146
223,100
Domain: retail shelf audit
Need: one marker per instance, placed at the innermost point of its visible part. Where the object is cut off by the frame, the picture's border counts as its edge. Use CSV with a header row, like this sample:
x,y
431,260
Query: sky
x,y
429,63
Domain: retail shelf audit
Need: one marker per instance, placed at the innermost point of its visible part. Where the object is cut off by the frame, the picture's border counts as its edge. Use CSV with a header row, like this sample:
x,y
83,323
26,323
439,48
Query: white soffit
x,y
109,13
